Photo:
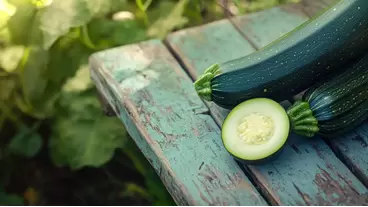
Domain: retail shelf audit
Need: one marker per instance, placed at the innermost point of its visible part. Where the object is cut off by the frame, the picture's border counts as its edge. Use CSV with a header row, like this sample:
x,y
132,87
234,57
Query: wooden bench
x,y
149,86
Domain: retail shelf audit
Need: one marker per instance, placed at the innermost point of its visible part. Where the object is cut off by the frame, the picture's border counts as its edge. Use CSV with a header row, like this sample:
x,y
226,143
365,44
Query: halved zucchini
x,y
255,130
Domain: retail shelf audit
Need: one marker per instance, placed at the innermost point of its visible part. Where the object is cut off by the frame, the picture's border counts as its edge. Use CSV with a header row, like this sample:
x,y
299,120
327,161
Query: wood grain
x,y
307,172
313,7
352,148
156,101
261,29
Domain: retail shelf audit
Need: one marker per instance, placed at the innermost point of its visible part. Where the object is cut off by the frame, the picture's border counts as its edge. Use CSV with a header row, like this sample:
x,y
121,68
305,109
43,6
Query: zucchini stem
x,y
203,84
302,119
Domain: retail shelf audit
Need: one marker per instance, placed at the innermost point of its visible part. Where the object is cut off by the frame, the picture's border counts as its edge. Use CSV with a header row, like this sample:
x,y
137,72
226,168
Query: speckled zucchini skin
x,y
319,47
334,106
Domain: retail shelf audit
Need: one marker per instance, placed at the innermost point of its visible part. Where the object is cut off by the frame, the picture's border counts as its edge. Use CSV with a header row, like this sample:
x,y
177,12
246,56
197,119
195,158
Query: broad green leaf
x,y
159,10
82,135
45,73
23,25
80,82
65,58
161,27
107,33
26,143
10,57
35,96
62,15
99,8
7,85
10,199
59,17
32,71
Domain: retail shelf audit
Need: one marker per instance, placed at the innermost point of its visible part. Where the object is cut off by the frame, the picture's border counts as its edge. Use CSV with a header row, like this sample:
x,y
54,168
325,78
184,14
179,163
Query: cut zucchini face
x,y
255,130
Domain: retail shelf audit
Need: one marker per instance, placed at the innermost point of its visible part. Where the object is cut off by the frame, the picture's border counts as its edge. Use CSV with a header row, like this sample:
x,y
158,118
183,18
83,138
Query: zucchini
x,y
291,64
255,130
334,106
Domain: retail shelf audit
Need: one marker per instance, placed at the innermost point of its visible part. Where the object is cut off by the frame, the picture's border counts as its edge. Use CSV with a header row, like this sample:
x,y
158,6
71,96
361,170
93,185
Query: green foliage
x,y
83,136
174,20
59,39
10,199
27,142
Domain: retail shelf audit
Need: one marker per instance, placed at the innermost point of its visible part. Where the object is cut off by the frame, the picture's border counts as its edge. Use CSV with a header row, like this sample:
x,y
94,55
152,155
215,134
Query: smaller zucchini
x,y
334,106
255,130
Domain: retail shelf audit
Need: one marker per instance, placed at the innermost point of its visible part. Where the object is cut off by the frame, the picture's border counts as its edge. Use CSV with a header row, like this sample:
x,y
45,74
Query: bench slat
x,y
353,150
308,172
276,23
313,7
155,99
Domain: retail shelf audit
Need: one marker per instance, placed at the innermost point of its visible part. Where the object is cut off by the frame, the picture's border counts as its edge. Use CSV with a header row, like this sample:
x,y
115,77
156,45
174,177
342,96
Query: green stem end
x,y
203,84
302,119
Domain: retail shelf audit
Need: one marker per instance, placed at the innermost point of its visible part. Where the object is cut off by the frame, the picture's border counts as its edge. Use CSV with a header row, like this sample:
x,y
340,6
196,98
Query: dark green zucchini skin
x,y
290,65
333,106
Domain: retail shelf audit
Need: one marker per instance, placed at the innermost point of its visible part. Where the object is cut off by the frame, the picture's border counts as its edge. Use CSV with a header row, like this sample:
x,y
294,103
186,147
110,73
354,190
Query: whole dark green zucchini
x,y
333,106
304,56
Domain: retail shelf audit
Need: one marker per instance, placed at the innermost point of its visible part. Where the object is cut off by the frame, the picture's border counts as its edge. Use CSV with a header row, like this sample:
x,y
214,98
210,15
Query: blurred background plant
x,y
56,146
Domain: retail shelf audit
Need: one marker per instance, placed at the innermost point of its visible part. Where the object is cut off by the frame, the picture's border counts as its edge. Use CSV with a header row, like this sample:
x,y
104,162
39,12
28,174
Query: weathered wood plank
x,y
277,22
307,172
155,99
227,40
352,148
313,7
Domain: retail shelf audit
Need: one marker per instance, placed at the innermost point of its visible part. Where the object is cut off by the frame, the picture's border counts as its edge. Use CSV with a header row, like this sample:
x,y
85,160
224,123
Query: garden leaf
x,y
82,135
26,143
81,82
7,85
107,33
10,57
34,83
62,15
10,199
70,49
32,71
25,19
161,27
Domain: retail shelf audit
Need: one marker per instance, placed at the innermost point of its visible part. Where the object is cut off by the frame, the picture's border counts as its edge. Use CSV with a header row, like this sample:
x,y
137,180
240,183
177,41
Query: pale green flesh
x,y
239,148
